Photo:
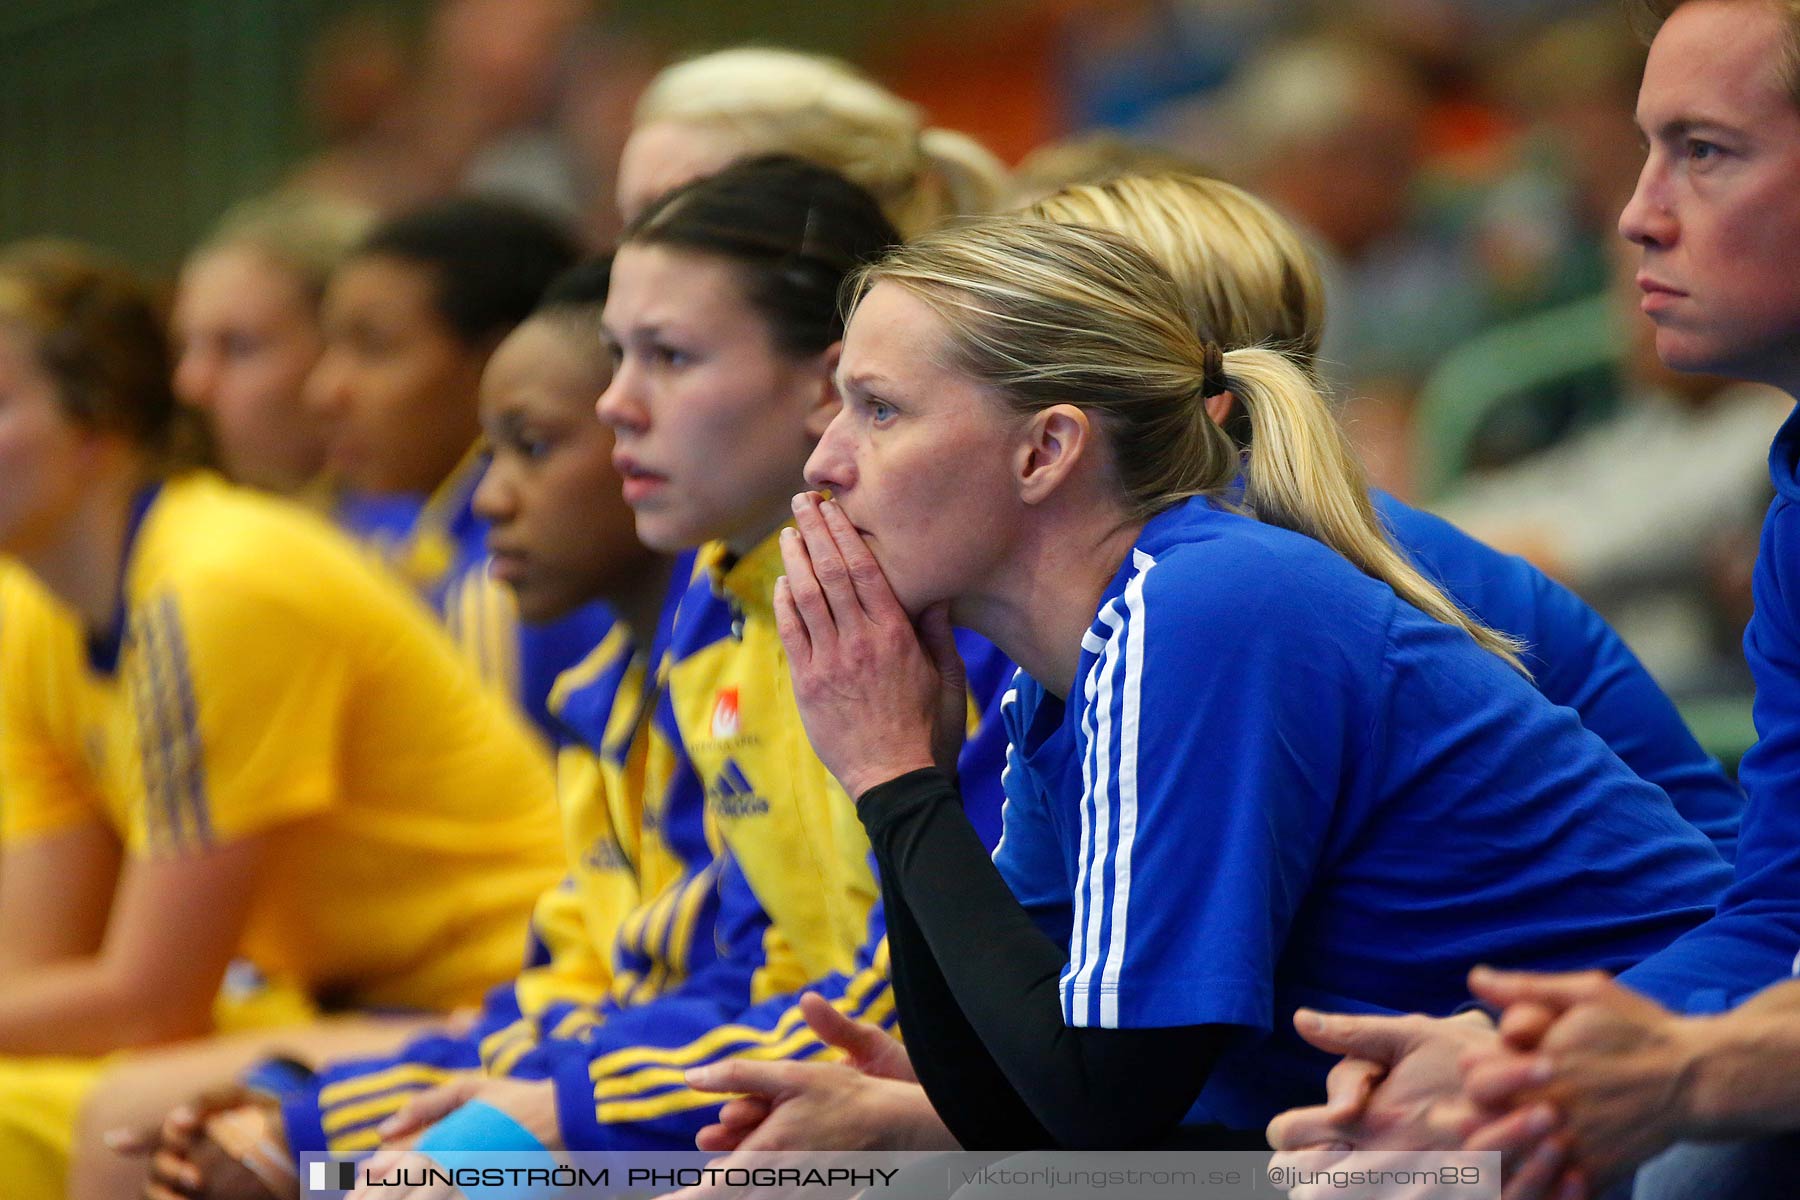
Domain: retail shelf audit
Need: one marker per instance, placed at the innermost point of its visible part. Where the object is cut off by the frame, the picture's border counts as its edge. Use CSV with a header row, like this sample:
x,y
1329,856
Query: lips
x,y
507,566
638,481
1657,294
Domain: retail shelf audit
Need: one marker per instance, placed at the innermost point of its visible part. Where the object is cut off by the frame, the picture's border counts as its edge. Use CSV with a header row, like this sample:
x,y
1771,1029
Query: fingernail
x,y
1542,1070
799,501
1308,1021
388,1128
789,534
115,1138
699,1077
1540,1120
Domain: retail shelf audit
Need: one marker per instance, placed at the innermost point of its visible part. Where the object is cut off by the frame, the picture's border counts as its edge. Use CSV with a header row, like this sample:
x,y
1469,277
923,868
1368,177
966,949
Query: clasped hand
x,y
878,695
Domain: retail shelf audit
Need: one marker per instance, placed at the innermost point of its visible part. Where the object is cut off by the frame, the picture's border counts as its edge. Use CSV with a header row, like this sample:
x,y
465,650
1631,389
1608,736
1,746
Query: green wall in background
x,y
134,123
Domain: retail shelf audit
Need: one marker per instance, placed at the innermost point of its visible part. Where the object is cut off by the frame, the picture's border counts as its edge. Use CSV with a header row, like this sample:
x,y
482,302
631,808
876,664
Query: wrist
x,y
861,782
1706,1071
1725,1075
914,1123
899,802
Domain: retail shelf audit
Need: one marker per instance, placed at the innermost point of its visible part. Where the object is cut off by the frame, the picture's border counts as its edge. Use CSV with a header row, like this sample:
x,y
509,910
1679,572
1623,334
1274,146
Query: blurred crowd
x,y
1458,167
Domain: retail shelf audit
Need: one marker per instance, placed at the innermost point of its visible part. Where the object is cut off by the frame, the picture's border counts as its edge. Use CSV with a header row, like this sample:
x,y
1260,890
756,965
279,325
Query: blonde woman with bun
x,y
701,114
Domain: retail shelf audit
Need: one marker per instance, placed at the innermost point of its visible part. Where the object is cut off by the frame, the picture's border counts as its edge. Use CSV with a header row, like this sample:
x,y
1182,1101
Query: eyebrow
x,y
1680,127
863,381
652,330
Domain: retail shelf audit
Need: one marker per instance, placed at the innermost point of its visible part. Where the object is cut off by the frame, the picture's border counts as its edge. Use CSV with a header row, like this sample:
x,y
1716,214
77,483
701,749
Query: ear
x,y
1056,440
825,407
1220,407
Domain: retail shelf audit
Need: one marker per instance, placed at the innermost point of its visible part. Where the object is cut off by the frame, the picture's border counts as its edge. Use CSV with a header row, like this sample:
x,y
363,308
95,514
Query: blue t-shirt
x,y
1576,660
1275,784
1755,939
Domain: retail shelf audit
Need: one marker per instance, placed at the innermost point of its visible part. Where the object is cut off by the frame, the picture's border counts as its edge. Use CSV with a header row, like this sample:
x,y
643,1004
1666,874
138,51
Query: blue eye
x,y
881,412
1700,150
673,357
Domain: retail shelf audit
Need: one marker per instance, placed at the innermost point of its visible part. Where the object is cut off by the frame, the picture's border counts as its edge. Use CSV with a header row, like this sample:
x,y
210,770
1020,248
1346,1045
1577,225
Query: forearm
x,y
91,1007
1740,1081
977,1102
1087,1087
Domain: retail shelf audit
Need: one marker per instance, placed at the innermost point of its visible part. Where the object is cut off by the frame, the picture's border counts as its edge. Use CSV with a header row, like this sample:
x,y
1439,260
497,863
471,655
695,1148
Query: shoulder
x,y
1776,562
39,638
584,696
1233,581
702,616
219,548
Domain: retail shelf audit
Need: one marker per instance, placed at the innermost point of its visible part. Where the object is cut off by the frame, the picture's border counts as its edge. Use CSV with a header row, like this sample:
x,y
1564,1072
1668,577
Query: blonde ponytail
x,y
1048,314
1302,475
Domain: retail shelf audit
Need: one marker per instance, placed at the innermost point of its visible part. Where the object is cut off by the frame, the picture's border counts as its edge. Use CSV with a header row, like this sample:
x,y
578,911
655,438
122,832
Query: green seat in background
x,y
1723,727
1570,353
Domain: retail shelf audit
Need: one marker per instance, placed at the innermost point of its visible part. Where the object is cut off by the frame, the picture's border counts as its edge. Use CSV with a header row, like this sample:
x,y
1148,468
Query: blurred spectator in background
x,y
1546,224
357,81
525,100
1124,61
1092,158
1332,133
1651,516
702,114
246,328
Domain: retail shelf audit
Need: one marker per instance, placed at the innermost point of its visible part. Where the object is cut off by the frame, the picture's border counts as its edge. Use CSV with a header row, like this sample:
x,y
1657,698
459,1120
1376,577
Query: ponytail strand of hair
x,y
1303,476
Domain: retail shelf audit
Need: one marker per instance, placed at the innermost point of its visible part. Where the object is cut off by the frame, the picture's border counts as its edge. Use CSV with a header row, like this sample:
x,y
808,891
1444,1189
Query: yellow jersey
x,y
264,678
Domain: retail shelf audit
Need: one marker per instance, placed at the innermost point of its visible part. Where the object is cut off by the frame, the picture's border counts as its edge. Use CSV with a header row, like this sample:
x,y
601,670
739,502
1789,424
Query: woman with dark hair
x,y
411,318
723,320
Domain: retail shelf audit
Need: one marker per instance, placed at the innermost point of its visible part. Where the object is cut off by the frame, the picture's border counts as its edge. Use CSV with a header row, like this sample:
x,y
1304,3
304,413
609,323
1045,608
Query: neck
x,y
639,604
755,533
1042,598
81,561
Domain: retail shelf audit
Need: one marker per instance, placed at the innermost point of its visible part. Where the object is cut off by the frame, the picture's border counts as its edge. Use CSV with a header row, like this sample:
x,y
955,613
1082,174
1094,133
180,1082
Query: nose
x,y
622,406
831,466
1649,218
326,387
495,500
196,376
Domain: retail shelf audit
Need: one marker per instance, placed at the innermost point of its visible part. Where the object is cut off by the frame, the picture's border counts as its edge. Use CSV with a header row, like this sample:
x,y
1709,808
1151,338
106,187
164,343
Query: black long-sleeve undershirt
x,y
976,986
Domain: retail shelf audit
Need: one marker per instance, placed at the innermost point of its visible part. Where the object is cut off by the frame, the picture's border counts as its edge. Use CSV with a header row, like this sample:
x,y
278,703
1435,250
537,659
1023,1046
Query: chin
x,y
664,537
916,600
